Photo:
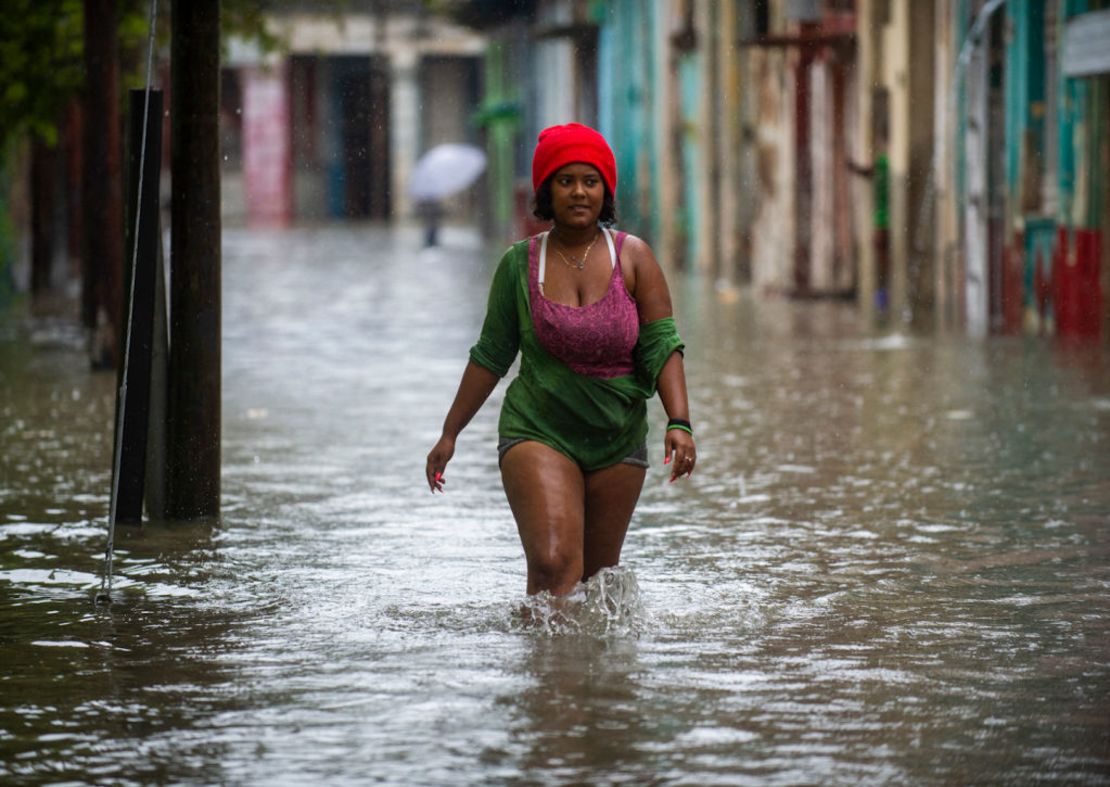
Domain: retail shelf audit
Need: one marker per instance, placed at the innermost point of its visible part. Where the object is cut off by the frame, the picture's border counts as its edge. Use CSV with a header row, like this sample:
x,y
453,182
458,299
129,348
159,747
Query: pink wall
x,y
267,152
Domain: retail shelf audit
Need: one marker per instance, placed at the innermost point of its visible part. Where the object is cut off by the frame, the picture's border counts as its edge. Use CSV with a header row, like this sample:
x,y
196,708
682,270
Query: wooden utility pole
x,y
102,186
42,216
193,449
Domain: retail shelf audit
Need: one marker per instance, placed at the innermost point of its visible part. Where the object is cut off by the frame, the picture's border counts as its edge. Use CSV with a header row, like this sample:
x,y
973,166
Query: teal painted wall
x,y
499,116
1032,233
653,23
1025,89
689,83
625,100
1072,97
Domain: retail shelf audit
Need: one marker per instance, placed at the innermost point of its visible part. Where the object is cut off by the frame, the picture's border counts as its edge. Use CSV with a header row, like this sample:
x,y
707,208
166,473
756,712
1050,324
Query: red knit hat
x,y
569,144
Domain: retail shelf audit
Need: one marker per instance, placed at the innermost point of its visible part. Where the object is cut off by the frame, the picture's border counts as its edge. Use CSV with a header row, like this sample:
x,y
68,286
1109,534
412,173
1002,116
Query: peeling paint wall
x,y
773,230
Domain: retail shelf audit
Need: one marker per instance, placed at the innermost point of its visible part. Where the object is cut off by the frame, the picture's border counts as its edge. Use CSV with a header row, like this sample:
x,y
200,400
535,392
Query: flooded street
x,y
892,566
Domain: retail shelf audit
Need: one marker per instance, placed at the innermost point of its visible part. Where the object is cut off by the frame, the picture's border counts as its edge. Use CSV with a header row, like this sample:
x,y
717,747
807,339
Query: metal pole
x,y
145,156
142,129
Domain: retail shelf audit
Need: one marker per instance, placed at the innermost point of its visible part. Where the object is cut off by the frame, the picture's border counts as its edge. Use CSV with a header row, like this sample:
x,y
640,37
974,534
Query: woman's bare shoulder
x,y
636,252
644,279
635,244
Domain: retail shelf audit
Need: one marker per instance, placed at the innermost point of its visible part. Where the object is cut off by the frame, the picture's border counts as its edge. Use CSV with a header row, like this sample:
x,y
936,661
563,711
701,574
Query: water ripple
x,y
891,566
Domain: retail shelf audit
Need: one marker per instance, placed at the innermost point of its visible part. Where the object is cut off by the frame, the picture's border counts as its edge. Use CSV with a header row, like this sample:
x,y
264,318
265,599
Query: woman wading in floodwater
x,y
589,310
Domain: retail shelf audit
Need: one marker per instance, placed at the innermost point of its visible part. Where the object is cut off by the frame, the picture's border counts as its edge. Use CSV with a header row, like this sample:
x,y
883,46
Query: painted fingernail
x,y
666,460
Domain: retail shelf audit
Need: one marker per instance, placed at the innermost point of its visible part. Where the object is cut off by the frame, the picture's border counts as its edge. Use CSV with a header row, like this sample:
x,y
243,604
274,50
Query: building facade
x,y
943,163
333,124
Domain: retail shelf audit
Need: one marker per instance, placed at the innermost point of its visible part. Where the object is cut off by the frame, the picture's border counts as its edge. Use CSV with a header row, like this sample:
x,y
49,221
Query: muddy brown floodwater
x,y
891,567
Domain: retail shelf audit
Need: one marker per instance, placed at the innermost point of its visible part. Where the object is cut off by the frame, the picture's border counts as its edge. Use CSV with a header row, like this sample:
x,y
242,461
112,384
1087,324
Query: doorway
x,y
359,169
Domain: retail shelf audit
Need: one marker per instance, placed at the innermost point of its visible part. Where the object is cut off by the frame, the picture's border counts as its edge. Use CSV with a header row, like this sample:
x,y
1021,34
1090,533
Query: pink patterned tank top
x,y
597,339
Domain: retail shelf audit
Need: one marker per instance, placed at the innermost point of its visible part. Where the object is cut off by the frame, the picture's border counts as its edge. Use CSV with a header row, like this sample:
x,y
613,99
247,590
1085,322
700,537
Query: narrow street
x,y
891,566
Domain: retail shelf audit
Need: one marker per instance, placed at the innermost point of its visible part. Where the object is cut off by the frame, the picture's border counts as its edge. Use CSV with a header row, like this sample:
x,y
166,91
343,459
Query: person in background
x,y
879,173
589,311
431,213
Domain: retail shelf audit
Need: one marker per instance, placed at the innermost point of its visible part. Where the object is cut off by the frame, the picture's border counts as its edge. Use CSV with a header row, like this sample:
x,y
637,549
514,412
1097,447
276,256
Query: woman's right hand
x,y
438,458
475,387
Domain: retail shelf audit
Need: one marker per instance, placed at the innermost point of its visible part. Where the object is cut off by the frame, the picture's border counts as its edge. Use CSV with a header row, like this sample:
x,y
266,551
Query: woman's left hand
x,y
680,453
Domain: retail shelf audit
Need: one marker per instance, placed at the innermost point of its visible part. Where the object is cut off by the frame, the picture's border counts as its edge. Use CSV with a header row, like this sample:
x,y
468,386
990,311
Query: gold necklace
x,y
578,262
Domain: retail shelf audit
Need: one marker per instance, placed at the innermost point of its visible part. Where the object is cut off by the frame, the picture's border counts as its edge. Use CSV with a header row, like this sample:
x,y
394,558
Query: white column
x,y
976,285
896,53
821,153
863,152
404,132
947,224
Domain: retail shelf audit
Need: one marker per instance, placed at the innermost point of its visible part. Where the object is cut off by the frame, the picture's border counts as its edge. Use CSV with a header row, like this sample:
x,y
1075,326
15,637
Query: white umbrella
x,y
445,170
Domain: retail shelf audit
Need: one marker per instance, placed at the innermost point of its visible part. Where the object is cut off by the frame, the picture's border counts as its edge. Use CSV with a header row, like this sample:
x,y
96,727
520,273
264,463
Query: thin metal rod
x,y
105,594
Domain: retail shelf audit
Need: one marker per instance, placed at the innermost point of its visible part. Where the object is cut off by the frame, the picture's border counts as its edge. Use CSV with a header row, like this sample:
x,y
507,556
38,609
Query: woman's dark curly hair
x,y
543,209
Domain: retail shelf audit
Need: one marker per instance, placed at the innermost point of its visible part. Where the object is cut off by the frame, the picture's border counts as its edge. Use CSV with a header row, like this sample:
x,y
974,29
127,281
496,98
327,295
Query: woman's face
x,y
577,194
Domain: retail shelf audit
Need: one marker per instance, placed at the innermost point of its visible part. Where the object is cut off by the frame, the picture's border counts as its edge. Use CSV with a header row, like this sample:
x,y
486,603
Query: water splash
x,y
607,604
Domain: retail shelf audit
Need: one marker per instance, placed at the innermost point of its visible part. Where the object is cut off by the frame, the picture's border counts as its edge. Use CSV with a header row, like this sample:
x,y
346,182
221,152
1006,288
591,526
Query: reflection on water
x,y
892,565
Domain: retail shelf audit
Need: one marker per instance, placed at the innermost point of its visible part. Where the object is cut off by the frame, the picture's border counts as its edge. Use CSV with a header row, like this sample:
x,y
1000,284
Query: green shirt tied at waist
x,y
596,422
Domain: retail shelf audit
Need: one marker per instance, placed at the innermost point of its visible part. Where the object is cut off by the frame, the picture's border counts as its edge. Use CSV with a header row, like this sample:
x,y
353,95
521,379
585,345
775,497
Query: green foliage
x,y
42,45
40,65
246,19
